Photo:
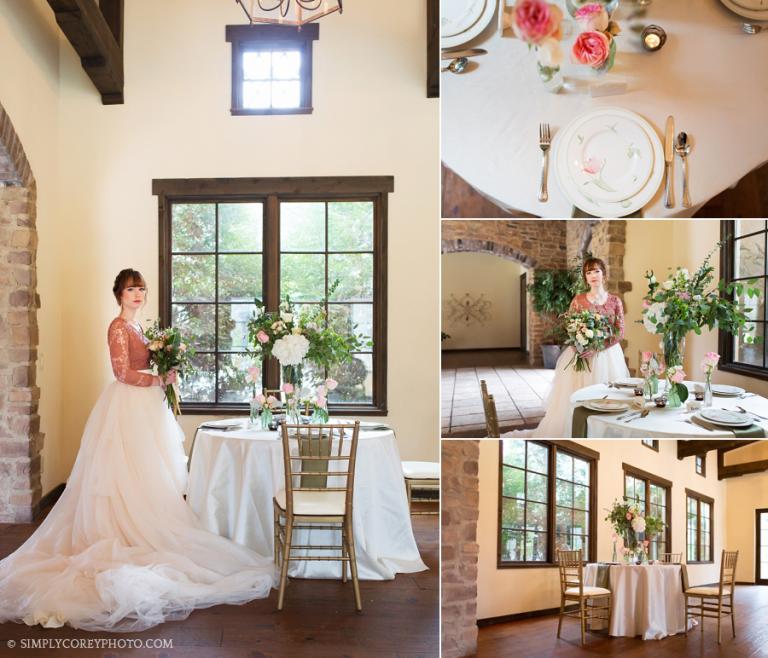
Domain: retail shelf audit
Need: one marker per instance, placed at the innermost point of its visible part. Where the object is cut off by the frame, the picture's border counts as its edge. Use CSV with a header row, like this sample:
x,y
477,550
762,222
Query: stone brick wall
x,y
460,500
20,437
532,243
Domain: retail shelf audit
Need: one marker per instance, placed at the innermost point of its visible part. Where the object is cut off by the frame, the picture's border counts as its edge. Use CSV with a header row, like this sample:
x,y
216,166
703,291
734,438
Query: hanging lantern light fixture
x,y
288,12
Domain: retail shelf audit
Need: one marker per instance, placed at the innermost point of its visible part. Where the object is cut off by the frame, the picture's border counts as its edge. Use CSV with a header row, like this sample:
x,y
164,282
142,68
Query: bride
x,y
121,550
607,365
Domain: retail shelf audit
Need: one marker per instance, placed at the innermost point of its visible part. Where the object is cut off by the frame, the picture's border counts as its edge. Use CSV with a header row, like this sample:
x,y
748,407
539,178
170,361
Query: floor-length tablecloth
x,y
646,600
234,475
709,75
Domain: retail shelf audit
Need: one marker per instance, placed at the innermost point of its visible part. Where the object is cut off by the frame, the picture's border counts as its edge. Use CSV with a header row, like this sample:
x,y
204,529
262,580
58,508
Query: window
x,y
272,68
653,444
701,464
744,262
226,241
546,501
699,527
652,495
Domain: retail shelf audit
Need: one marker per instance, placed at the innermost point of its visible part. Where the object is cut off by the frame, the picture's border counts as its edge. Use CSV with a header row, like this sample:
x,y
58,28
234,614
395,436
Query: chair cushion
x,y
707,591
421,470
314,503
588,591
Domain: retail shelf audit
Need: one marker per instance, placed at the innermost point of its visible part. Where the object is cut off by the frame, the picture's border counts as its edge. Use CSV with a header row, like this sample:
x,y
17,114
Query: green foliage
x,y
551,294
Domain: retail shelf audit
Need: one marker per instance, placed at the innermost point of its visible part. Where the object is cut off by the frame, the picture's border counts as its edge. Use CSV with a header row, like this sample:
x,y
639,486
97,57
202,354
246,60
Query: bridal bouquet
x,y
587,332
168,350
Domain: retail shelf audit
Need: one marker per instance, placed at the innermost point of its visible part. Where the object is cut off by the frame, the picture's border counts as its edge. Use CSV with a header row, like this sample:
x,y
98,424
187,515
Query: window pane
x,y
233,326
580,522
286,64
512,545
564,466
232,384
355,380
193,226
196,322
744,352
563,520
257,95
536,546
302,226
514,482
743,226
354,273
563,542
580,471
514,452
350,226
536,518
580,497
199,387
537,487
239,277
658,495
302,276
286,94
564,493
257,65
705,510
241,226
750,256
512,513
352,318
537,457
193,278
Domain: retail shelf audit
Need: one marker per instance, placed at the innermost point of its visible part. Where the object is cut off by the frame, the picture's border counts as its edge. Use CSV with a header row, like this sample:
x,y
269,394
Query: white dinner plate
x,y
581,199
451,41
727,391
607,405
457,16
610,157
726,418
755,9
628,382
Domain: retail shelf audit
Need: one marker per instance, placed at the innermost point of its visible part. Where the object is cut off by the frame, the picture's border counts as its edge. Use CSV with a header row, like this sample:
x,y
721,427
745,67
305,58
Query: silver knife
x,y
470,52
669,158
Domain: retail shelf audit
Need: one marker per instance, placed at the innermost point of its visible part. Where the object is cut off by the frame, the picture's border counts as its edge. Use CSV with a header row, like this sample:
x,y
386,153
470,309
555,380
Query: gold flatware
x,y
669,156
467,52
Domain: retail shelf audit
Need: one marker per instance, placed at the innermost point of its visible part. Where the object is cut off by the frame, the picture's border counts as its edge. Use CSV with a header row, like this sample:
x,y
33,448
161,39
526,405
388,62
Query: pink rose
x,y
260,398
253,374
646,304
287,388
646,356
321,401
592,17
272,400
678,377
592,165
321,391
331,384
591,48
262,337
535,20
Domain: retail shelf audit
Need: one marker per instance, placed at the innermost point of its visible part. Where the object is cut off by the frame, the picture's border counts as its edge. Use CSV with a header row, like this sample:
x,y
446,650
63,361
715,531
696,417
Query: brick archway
x,y
20,437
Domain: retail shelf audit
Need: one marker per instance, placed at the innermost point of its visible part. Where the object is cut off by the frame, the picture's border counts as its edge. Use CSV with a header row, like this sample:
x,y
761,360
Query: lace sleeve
x,y
121,363
575,306
618,313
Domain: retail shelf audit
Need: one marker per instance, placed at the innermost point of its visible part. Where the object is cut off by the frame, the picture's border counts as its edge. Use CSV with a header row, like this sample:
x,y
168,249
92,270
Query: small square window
x,y
701,465
271,68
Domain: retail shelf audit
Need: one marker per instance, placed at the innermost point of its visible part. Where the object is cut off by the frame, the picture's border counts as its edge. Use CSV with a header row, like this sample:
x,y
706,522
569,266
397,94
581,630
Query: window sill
x,y
704,562
252,112
756,372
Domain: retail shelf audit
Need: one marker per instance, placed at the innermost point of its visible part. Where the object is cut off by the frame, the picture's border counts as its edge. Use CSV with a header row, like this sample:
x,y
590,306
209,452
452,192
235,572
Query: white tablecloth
x,y
646,600
660,423
234,475
712,78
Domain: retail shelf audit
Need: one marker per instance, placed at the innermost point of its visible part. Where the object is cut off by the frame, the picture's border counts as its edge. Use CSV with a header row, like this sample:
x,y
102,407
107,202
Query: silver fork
x,y
544,143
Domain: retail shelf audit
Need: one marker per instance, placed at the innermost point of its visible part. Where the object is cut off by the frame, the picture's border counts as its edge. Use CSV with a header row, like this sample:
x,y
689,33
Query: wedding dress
x,y
606,366
121,550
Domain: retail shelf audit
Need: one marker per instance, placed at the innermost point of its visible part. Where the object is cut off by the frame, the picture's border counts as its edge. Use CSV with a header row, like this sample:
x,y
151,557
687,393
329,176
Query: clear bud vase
x,y
551,77
614,557
707,392
253,419
266,418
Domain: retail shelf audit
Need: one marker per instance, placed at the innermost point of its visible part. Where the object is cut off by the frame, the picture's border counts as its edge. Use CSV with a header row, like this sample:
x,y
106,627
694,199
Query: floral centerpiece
x,y
538,24
595,45
169,350
627,522
587,332
687,302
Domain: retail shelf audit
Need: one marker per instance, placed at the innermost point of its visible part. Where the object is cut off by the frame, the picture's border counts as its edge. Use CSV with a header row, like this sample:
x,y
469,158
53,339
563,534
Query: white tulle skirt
x,y
121,550
606,366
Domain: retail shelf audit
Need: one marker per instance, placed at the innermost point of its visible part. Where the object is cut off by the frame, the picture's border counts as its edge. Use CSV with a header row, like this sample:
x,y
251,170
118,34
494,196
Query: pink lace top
x,y
128,353
612,308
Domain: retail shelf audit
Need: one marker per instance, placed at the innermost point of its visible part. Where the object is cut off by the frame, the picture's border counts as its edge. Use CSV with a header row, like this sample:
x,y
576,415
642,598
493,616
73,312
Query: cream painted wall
x,y
498,281
511,591
371,117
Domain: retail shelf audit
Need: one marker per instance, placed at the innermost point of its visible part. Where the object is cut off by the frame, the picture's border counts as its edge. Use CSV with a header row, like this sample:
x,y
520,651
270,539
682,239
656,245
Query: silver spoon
x,y
456,66
750,28
683,148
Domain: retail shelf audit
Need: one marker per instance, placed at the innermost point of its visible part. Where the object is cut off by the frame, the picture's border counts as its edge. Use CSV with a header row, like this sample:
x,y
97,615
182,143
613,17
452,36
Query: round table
x,y
712,78
660,423
234,475
646,600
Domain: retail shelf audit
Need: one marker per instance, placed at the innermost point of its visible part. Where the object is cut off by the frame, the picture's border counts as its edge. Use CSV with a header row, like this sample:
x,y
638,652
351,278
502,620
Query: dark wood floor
x,y
399,619
537,637
749,198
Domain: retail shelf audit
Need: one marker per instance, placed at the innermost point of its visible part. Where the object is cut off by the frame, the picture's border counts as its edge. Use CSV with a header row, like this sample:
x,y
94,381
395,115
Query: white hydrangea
x,y
657,311
638,524
290,350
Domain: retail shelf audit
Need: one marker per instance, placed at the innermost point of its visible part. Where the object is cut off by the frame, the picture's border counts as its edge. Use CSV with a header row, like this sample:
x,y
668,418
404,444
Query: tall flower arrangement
x,y
628,522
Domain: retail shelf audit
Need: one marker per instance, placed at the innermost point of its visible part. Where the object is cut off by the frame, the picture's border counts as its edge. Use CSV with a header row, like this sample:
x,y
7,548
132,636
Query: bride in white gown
x,y
607,365
121,550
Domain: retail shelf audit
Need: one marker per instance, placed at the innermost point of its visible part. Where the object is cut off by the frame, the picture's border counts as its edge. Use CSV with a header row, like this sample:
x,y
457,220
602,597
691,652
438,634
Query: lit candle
x,y
653,38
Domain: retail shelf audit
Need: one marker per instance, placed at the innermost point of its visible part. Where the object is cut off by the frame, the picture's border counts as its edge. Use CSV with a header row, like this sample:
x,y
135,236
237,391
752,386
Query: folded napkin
x,y
753,431
579,422
603,576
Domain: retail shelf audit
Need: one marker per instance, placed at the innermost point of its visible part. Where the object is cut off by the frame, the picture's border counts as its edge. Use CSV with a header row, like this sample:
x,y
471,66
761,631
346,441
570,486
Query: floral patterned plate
x,y
726,418
449,10
609,156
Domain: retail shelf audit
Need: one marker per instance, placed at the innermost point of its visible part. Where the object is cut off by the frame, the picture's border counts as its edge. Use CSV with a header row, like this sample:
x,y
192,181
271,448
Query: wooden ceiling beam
x,y
701,447
736,470
96,34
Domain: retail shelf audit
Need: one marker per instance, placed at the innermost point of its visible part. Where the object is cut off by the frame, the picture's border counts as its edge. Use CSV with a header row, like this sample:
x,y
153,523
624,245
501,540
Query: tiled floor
x,y
518,393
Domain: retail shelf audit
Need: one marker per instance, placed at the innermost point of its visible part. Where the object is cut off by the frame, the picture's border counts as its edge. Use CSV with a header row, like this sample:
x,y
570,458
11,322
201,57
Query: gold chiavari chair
x,y
573,590
671,558
715,602
424,475
489,408
319,462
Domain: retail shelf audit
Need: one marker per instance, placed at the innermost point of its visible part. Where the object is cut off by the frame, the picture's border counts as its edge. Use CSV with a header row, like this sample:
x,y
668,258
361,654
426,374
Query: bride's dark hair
x,y
590,263
126,279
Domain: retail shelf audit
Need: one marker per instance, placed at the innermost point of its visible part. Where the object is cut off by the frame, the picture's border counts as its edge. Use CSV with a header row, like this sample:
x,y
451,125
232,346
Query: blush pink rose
x,y
535,20
253,374
678,377
287,388
592,17
646,304
646,356
331,384
591,48
321,402
262,337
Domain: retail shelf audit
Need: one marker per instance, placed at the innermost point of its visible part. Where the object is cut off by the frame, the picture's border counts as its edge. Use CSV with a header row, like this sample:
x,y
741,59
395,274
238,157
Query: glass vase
x,y
266,418
614,557
707,392
650,387
253,418
673,397
551,77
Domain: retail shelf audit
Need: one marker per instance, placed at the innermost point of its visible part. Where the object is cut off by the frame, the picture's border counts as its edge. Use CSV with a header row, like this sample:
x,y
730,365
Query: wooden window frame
x,y
700,498
575,450
655,445
758,580
725,339
649,479
271,192
256,38
703,458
